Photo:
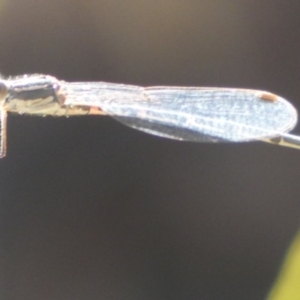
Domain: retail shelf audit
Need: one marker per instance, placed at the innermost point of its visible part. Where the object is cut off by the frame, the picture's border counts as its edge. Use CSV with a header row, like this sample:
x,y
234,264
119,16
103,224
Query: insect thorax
x,y
38,95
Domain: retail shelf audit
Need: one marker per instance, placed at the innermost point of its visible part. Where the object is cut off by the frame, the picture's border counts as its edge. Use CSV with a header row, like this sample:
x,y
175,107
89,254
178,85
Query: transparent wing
x,y
193,114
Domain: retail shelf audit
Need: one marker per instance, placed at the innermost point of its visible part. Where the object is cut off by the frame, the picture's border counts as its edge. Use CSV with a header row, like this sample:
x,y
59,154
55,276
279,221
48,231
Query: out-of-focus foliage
x,y
287,286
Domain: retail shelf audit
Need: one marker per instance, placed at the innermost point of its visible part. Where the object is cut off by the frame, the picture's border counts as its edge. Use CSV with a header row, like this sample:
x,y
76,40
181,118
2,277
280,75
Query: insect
x,y
183,113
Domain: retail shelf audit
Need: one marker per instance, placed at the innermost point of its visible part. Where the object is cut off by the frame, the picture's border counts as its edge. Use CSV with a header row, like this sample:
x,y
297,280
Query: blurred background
x,y
91,209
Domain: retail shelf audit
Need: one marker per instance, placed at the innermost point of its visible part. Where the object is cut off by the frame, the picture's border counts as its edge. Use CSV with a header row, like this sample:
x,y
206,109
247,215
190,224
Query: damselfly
x,y
183,113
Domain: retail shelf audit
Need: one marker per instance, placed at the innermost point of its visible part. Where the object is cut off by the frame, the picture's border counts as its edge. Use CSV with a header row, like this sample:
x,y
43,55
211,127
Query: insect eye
x,y
3,90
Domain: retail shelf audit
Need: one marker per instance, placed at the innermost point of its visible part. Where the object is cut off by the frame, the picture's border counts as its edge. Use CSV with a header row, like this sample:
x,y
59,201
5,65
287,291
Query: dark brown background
x,y
91,209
